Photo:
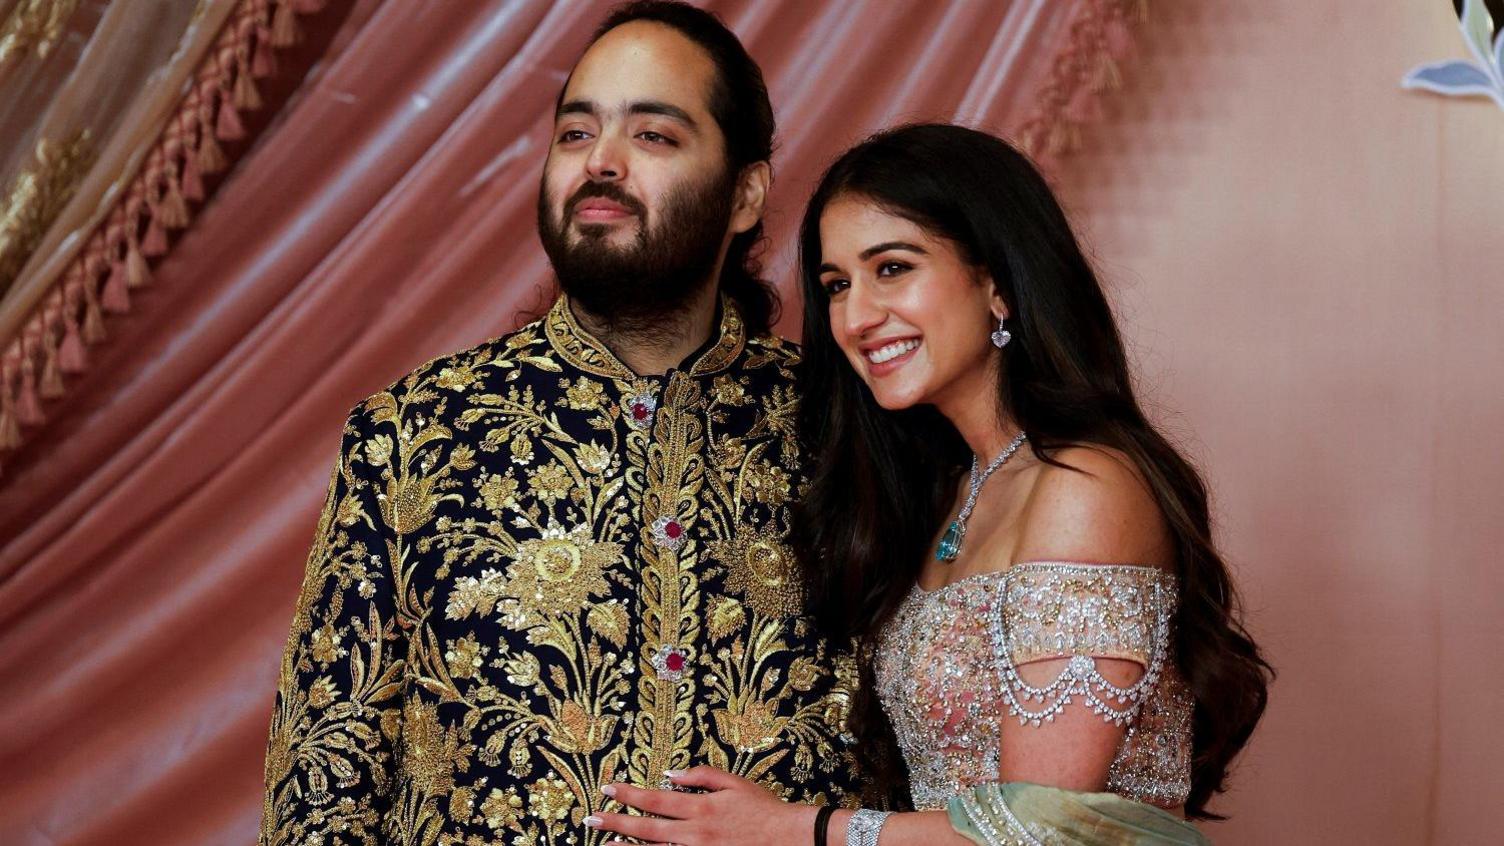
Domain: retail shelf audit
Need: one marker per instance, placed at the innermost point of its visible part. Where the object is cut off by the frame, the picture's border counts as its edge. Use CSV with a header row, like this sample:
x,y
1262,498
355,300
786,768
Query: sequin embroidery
x,y
947,673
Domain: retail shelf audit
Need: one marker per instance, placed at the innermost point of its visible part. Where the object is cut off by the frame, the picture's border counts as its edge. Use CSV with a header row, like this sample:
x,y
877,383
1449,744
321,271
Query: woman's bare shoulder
x,y
1098,508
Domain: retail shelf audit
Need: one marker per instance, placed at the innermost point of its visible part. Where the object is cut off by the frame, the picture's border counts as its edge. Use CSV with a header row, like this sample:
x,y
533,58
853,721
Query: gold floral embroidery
x,y
550,482
503,809
578,731
456,378
466,657
561,570
550,800
498,491
431,751
761,568
765,483
585,394
473,652
594,458
751,728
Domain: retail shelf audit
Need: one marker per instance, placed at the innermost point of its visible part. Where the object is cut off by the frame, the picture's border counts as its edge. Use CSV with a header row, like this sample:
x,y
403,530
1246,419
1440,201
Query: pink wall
x,y
1307,260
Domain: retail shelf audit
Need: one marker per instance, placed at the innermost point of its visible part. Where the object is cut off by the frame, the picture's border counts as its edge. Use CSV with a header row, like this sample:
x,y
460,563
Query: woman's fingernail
x,y
592,821
674,773
609,789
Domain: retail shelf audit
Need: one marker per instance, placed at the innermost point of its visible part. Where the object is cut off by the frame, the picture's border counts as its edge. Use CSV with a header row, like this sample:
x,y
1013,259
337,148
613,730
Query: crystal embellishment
x,y
669,662
668,532
639,410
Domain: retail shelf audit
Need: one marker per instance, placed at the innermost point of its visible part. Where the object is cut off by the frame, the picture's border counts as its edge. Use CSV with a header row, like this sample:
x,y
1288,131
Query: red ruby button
x,y
674,662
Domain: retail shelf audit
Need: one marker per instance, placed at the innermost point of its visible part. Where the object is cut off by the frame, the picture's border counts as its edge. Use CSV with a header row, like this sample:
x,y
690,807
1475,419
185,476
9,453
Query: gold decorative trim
x,y
37,197
578,347
586,352
733,339
34,26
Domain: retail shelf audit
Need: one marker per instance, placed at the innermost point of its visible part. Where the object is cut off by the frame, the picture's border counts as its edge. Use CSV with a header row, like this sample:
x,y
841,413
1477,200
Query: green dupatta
x,y
1020,814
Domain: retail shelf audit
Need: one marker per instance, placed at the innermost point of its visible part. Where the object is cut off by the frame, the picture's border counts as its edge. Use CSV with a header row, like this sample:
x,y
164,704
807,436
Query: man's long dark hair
x,y
739,103
884,481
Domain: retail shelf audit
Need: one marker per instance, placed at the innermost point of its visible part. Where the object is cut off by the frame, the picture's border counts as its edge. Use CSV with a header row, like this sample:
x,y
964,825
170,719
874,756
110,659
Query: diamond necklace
x,y
950,543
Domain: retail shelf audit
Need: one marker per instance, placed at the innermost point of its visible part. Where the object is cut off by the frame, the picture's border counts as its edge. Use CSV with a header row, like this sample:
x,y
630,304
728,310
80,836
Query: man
x,y
558,560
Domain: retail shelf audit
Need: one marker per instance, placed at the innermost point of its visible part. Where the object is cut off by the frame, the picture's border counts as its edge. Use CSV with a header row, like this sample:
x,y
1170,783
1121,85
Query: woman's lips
x,y
886,358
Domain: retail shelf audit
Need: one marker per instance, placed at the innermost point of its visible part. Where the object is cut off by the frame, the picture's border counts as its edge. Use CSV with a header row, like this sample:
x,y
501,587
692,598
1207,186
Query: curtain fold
x,y
112,145
154,529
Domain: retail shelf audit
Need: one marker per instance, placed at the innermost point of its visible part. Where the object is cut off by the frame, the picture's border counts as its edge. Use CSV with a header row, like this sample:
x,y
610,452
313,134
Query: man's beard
x,y
639,288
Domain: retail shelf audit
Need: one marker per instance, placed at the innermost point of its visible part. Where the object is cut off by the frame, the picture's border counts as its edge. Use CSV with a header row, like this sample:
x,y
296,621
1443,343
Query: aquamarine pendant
x,y
950,542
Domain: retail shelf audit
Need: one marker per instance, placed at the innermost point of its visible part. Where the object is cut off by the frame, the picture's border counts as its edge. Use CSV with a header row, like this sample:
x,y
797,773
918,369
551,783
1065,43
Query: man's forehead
x,y
642,62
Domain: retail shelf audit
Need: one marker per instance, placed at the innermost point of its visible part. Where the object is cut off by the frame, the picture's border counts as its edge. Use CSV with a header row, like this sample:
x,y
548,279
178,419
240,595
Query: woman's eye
x,y
835,286
891,268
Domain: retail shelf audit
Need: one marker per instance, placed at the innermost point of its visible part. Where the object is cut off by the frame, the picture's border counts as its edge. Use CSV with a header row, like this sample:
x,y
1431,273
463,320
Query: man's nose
x,y
606,162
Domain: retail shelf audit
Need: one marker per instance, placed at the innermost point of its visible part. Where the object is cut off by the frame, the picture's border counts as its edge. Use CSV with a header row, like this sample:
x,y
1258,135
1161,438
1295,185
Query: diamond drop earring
x,y
1001,336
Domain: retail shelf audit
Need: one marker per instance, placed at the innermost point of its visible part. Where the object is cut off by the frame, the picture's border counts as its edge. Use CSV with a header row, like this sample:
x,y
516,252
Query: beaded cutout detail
x,y
948,673
983,816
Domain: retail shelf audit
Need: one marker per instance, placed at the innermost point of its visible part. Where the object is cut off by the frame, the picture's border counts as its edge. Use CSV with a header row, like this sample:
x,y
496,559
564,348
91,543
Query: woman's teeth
x,y
892,351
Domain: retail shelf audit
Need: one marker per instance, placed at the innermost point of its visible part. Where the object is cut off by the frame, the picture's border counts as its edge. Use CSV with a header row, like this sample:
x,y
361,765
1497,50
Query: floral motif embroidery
x,y
560,570
495,621
762,569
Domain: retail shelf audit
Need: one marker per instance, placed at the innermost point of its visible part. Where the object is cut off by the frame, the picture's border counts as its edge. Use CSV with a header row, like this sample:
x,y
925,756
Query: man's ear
x,y
751,196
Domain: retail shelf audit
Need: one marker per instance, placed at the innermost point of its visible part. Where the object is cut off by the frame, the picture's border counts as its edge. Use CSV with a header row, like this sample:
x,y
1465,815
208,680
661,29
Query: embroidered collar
x,y
584,351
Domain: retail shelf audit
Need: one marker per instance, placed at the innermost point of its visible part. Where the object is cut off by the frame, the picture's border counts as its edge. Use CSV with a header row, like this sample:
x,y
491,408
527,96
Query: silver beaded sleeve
x,y
865,826
1081,611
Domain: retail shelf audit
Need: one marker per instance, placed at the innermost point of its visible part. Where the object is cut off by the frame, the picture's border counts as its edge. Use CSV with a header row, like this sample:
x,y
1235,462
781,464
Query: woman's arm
x,y
1101,511
738,812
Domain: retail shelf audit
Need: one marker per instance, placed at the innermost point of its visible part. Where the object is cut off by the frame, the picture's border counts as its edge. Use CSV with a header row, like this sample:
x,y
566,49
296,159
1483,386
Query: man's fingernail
x,y
609,789
592,821
674,773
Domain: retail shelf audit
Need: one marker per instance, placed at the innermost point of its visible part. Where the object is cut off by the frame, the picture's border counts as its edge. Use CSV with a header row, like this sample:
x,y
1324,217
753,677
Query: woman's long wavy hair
x,y
883,481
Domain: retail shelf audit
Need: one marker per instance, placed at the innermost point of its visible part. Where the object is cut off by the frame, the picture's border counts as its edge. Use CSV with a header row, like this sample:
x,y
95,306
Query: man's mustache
x,y
607,191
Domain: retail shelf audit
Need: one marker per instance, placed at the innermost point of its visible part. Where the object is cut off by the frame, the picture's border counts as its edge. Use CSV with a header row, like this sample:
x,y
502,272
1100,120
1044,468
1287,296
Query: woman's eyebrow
x,y
891,245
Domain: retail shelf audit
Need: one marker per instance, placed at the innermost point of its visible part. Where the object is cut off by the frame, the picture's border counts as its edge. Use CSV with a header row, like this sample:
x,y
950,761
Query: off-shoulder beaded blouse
x,y
947,673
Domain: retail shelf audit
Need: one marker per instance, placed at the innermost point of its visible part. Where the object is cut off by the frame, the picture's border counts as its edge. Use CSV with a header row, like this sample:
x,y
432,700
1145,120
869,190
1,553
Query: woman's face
x,y
911,315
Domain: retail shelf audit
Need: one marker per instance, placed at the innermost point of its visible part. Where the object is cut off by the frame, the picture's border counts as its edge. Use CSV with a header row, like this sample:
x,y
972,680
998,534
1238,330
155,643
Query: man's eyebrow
x,y
641,107
668,110
891,245
575,107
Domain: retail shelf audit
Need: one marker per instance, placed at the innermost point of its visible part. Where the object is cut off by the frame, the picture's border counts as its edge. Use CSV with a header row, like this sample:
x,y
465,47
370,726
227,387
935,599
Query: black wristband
x,y
822,822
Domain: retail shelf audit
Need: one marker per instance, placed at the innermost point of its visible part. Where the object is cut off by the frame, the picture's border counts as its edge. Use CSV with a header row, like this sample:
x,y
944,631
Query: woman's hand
x,y
731,811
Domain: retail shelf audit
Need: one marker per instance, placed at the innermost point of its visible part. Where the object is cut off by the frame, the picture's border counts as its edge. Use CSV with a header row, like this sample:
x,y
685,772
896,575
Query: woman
x,y
1028,562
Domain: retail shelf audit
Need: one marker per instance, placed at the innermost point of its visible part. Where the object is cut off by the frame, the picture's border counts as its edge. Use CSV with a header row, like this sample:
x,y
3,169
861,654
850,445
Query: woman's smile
x,y
884,357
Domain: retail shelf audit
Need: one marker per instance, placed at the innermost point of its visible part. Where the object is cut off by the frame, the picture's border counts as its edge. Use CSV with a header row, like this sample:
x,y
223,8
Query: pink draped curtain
x,y
154,529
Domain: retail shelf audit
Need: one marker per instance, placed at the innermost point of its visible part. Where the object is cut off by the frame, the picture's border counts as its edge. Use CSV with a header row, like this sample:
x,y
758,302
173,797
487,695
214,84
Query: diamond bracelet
x,y
864,827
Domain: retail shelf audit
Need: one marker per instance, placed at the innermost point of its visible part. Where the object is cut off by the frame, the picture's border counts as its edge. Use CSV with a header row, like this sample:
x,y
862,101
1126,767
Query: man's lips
x,y
599,210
